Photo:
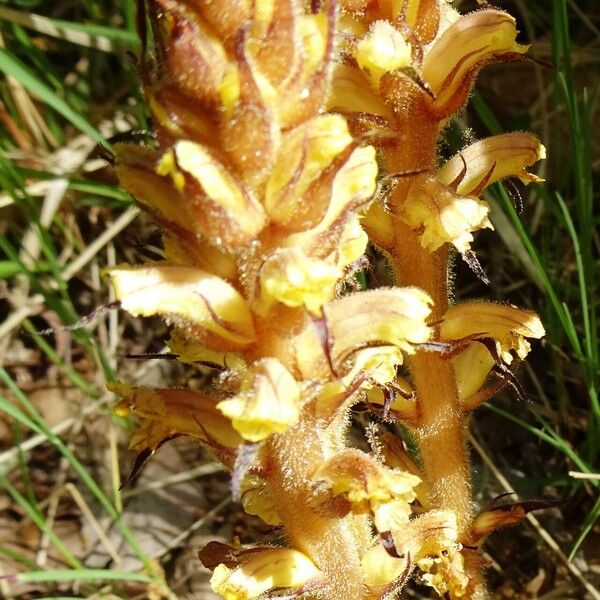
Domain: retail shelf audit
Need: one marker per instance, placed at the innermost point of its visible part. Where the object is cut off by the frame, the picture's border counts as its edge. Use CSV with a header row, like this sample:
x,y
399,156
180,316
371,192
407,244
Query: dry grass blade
x,y
48,27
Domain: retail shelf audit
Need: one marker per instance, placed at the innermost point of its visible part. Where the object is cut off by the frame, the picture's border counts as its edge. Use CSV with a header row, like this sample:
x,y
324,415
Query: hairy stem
x,y
441,431
331,543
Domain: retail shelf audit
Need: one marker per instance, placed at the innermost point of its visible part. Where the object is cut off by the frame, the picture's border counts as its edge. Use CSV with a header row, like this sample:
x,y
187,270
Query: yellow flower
x,y
507,325
444,216
352,245
351,189
256,500
188,296
351,91
294,279
261,571
431,542
471,368
379,225
444,207
383,50
163,413
380,569
226,208
465,46
490,160
368,487
268,402
392,316
374,318
305,154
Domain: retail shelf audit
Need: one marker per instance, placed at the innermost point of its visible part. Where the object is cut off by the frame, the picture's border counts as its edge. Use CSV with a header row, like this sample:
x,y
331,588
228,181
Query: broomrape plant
x,y
288,135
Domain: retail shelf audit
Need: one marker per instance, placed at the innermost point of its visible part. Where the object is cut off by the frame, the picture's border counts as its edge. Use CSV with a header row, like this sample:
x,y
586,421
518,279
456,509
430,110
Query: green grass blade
x,y
589,523
10,65
38,425
40,522
56,575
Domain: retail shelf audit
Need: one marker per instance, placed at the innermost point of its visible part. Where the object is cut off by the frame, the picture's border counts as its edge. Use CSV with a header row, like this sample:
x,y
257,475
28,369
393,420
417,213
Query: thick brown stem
x,y
334,544
441,431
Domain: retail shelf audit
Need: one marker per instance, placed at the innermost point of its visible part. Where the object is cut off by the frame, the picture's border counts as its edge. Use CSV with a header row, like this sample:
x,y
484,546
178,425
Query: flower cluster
x,y
272,122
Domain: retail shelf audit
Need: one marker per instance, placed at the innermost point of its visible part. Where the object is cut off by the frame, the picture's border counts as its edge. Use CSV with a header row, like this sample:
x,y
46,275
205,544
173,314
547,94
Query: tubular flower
x,y
488,334
457,55
492,159
507,325
368,486
444,207
268,402
375,318
428,542
261,571
188,296
163,413
445,69
294,279
443,216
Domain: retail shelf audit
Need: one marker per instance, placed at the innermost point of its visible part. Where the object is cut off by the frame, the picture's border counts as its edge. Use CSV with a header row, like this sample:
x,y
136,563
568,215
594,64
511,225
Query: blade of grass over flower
x,y
580,229
560,309
79,574
587,309
11,65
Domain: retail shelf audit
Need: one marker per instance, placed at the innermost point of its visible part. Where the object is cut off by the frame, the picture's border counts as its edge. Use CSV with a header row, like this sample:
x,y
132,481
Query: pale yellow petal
x,y
443,216
508,325
294,279
305,153
382,50
353,243
268,402
261,571
492,159
189,295
390,316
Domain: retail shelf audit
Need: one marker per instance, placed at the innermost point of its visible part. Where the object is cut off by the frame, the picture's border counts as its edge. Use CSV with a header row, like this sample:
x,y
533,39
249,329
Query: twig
x,y
85,509
112,231
194,527
580,475
199,471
